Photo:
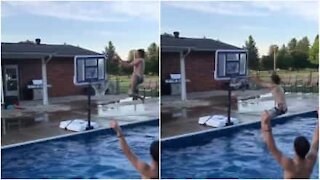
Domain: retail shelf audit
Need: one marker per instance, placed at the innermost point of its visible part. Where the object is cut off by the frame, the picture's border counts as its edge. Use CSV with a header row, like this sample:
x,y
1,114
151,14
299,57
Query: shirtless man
x,y
147,171
138,65
277,92
301,165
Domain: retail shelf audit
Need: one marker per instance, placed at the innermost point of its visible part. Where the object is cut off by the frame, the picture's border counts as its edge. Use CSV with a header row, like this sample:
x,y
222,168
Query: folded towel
x,y
216,120
76,125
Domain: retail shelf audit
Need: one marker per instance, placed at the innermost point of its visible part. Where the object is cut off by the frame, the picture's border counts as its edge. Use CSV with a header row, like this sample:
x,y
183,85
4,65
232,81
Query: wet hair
x,y
301,146
141,53
275,79
154,151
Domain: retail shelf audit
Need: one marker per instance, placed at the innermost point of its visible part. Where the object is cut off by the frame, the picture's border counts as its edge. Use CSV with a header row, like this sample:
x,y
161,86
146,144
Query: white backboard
x,y
89,69
230,64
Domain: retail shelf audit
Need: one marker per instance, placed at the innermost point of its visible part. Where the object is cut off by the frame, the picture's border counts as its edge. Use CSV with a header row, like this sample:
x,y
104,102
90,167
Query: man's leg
x,y
133,85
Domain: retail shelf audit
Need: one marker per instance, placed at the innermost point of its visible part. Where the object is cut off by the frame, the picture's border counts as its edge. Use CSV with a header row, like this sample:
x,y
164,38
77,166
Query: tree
x,y
152,60
300,59
292,44
273,50
303,45
284,59
253,56
112,65
314,51
267,62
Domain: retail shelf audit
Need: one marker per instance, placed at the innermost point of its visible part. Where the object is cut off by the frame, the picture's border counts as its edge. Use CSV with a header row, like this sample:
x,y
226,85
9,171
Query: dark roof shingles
x,y
196,44
12,50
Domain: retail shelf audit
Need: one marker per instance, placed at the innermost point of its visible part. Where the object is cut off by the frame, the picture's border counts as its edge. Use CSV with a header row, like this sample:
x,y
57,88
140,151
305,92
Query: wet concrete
x,y
29,124
181,119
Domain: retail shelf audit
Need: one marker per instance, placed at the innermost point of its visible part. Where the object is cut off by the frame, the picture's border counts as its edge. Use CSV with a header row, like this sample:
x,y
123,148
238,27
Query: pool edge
x,y
241,125
76,133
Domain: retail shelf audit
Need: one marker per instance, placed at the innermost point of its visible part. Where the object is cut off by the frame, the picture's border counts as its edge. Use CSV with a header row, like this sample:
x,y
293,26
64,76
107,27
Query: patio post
x,y
183,77
44,82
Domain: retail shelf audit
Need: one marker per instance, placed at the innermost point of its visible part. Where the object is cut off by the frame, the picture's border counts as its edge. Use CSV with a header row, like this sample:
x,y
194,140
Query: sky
x,y
91,25
269,22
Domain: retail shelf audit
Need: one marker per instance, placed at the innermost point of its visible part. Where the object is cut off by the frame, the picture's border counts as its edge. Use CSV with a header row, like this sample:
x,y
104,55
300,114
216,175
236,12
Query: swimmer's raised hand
x,y
265,121
115,126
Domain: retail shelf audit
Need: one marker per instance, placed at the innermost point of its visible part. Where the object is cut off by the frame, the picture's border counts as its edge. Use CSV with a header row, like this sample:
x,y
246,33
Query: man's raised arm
x,y
140,166
268,138
261,82
313,154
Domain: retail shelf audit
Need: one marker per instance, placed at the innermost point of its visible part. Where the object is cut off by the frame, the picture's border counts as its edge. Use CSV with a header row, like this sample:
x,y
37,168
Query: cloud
x,y
222,8
253,27
307,10
86,11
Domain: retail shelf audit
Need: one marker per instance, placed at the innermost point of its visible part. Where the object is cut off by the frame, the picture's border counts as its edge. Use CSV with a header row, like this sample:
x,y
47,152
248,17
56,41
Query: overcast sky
x,y
129,25
232,22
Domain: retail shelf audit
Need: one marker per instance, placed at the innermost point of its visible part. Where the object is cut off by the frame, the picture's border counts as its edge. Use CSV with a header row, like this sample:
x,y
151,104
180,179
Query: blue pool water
x,y
90,156
241,154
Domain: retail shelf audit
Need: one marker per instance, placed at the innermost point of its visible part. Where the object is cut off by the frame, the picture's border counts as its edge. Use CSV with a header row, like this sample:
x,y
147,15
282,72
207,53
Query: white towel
x,y
216,120
76,125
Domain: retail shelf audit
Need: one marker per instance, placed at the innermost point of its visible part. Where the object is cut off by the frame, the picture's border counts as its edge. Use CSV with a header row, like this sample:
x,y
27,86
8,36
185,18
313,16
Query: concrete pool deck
x,y
35,121
178,118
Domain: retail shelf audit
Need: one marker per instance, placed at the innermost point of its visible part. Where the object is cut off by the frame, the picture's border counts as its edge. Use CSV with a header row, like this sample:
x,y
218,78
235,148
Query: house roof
x,y
37,51
172,44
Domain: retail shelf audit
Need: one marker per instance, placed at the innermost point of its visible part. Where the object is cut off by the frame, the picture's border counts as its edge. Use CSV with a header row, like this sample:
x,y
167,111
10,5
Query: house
x,y
193,58
52,64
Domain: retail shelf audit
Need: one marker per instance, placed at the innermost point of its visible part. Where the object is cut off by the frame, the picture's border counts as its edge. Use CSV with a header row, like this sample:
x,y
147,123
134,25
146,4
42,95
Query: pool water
x,y
95,156
241,154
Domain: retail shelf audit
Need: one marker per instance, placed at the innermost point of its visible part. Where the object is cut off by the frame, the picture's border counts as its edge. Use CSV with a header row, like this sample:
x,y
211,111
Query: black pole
x,y
89,109
229,123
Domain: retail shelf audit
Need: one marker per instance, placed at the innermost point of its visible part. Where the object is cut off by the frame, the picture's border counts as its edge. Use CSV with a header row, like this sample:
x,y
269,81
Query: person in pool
x,y
277,92
147,171
301,165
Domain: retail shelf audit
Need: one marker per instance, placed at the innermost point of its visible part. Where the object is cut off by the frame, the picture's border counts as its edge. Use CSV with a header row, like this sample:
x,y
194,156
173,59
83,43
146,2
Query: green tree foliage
x,y
314,51
267,62
296,55
112,65
152,60
253,56
284,59
292,44
303,45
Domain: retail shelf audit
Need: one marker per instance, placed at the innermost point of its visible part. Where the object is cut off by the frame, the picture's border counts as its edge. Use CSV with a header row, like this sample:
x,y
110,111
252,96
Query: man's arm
x,y
313,154
122,62
261,82
140,166
268,138
130,64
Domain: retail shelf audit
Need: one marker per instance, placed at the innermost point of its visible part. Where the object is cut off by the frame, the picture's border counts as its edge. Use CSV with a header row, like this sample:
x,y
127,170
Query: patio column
x,y
183,77
44,82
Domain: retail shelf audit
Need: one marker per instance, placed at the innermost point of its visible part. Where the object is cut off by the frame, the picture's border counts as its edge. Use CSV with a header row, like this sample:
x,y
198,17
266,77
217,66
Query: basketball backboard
x,y
230,64
89,69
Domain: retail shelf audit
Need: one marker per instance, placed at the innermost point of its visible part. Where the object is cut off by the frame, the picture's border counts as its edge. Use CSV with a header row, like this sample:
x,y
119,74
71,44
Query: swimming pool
x,y
233,152
93,154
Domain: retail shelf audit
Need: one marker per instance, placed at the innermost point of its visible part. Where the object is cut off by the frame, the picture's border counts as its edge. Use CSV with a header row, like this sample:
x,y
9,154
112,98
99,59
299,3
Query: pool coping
x,y
76,134
241,125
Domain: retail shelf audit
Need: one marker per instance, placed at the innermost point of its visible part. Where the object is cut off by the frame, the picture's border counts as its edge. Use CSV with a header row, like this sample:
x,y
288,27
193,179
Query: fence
x,y
296,81
120,84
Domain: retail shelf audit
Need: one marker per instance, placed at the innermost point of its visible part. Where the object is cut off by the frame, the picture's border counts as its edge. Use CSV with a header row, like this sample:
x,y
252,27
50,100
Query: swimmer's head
x,y
154,151
140,53
275,79
301,146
